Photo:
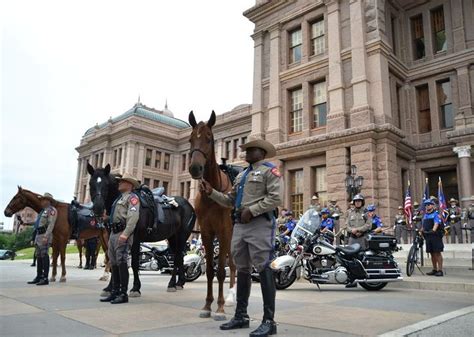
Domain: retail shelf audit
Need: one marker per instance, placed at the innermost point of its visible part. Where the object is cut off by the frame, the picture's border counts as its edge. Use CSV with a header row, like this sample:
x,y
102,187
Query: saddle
x,y
81,216
232,171
156,201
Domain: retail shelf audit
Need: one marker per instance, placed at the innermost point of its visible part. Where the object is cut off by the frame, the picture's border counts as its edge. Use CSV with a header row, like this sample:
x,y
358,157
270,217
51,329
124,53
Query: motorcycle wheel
x,y
373,286
411,259
282,282
189,276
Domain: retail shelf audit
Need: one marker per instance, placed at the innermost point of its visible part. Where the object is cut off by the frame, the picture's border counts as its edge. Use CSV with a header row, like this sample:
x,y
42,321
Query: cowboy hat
x,y
261,144
314,197
130,179
47,195
400,207
453,200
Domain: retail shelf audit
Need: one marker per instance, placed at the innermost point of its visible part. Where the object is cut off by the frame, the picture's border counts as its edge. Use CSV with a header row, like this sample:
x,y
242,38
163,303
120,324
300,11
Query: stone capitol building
x,y
387,86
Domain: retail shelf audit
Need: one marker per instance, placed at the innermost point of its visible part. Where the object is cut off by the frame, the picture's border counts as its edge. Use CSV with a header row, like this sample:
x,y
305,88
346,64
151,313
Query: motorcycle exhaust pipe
x,y
399,278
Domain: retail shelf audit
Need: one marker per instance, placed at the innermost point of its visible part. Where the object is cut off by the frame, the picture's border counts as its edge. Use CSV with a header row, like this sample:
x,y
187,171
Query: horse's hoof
x,y
171,289
105,293
52,279
135,293
219,317
179,288
104,278
62,279
205,314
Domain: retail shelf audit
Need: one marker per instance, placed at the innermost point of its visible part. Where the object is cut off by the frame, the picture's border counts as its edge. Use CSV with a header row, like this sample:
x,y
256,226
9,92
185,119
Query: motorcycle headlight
x,y
293,243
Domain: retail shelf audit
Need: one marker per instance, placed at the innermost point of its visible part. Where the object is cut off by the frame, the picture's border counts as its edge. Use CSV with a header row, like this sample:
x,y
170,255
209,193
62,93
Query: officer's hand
x,y
354,231
45,239
205,187
246,215
123,238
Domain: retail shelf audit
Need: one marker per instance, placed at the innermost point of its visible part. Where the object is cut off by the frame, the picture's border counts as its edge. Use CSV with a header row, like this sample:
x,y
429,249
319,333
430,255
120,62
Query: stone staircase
x,y
454,255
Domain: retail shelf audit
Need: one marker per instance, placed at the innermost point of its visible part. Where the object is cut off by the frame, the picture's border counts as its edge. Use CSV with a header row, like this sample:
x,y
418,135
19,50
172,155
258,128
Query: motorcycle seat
x,y
161,250
349,250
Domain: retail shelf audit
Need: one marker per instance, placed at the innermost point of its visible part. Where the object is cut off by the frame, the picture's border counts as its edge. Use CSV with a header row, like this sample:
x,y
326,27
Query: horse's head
x,y
99,185
202,144
18,202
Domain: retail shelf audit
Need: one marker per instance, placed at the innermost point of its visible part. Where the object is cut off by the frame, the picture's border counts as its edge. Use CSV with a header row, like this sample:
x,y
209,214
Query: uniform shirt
x,y
399,217
376,222
357,220
126,210
429,220
327,223
262,190
290,225
47,219
454,214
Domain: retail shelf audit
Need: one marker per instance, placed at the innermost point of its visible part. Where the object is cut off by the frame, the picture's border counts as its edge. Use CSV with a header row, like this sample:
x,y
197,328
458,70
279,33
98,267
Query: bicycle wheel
x,y
411,260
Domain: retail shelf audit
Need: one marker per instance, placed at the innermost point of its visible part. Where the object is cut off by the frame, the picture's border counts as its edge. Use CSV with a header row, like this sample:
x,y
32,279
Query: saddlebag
x,y
380,267
382,243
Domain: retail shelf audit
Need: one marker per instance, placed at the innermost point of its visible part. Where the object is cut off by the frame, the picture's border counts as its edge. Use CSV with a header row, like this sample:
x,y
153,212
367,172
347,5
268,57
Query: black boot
x,y
122,296
115,285
88,260
44,278
39,272
268,326
241,318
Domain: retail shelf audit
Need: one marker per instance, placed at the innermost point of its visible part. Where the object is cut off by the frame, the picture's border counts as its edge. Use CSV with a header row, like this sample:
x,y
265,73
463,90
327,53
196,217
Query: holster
x,y
118,227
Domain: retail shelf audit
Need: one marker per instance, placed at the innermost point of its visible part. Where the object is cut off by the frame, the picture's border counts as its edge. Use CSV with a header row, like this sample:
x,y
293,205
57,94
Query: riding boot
x,y
39,272
44,278
241,318
122,296
115,285
34,260
268,326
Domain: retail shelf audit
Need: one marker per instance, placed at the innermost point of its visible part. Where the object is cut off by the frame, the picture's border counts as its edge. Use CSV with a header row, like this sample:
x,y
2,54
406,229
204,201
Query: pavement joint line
x,y
428,323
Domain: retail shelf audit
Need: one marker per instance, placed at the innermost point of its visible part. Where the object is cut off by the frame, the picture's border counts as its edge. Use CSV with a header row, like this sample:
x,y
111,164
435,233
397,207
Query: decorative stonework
x,y
463,151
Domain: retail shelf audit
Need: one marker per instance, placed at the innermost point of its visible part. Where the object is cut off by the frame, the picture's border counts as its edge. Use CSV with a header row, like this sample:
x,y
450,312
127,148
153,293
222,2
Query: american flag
x,y
443,207
408,205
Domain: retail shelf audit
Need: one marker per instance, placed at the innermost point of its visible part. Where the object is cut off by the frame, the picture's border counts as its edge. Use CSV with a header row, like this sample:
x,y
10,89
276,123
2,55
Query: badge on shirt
x,y
134,200
52,212
276,172
133,209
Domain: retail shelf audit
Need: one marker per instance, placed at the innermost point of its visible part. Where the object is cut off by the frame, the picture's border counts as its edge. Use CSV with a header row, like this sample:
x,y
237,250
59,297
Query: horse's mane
x,y
54,202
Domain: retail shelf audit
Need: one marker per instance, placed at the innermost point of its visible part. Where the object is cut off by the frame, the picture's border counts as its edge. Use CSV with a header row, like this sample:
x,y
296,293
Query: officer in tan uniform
x,y
256,193
358,223
455,221
123,219
400,226
44,227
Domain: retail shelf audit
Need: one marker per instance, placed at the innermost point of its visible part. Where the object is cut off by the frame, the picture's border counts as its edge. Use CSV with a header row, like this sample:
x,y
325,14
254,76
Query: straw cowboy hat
x,y
130,179
261,144
453,200
314,197
47,196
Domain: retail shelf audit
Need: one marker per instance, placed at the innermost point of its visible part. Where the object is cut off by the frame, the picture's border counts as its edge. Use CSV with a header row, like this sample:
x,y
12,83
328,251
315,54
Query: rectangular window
x,y
183,162
319,104
445,104
318,40
181,191
165,186
157,159
83,196
398,110
96,160
120,157
296,111
296,190
393,25
439,32
148,155
243,140
146,181
227,150
321,183
295,46
115,158
167,161
156,183
101,159
188,190
418,37
235,149
424,113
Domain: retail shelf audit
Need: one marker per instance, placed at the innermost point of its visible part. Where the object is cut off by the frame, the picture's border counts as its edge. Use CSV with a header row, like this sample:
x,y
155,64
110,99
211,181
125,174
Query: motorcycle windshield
x,y
307,225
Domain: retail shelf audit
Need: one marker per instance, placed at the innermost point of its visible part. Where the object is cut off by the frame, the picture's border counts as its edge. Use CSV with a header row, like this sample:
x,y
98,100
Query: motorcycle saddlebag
x,y
382,242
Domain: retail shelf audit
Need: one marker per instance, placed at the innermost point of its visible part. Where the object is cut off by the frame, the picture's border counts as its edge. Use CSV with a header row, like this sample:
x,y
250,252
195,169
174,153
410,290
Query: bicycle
x,y
415,255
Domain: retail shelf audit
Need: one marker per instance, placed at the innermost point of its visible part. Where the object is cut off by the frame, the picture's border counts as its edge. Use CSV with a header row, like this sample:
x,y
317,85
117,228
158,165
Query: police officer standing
x,y
91,248
433,232
455,221
358,223
44,227
256,193
417,215
400,226
315,203
123,220
377,225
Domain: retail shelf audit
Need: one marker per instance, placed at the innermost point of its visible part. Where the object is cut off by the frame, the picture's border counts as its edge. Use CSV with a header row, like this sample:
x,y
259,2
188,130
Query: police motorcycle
x,y
195,262
311,251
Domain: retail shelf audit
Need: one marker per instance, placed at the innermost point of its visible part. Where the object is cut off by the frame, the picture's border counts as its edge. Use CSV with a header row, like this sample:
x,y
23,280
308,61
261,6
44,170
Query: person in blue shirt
x,y
377,225
433,230
289,225
327,223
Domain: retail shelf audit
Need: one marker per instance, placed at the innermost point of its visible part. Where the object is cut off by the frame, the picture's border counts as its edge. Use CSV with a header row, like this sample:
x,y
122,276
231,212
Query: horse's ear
x,y
192,119
107,169
19,188
212,120
90,169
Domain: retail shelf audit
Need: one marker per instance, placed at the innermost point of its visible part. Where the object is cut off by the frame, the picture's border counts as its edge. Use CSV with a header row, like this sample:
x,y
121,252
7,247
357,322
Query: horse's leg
x,y
173,246
54,271
135,251
179,260
79,248
105,247
220,313
208,244
63,262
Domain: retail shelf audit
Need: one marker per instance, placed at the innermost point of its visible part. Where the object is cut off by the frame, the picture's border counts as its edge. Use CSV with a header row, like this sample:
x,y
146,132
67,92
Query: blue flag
x,y
426,196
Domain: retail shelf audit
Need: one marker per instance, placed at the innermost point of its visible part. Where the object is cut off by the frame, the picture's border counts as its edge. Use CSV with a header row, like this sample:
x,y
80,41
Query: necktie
x,y
111,217
240,191
38,220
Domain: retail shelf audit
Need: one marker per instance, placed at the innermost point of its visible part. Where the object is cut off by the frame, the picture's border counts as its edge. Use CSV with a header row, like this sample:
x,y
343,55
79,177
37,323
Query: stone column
x,y
336,119
257,131
273,133
141,164
465,108
465,173
380,99
387,176
337,164
78,178
307,109
129,157
360,113
364,156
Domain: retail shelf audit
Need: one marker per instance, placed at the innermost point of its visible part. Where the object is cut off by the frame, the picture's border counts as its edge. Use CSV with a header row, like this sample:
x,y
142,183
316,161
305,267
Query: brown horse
x,y
62,229
214,220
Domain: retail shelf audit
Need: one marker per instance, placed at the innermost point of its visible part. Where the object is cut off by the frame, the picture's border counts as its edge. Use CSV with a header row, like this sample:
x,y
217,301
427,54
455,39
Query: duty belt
x,y
41,230
117,227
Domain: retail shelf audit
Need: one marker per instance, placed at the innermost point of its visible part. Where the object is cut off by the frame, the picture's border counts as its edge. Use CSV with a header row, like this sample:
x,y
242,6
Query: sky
x,y
67,65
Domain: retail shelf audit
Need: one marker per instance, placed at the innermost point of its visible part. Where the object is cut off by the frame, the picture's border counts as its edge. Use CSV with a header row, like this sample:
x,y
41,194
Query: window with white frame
x,y
318,40
319,104
296,110
295,46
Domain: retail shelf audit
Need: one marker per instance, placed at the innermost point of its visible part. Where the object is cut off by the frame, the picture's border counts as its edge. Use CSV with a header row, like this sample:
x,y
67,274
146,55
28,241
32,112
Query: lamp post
x,y
353,183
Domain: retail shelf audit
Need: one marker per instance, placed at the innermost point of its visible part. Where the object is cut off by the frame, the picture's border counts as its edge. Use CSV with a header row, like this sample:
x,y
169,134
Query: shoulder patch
x,y
134,200
276,172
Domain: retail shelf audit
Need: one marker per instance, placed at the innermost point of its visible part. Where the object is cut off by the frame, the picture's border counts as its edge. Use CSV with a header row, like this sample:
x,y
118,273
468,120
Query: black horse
x,y
176,227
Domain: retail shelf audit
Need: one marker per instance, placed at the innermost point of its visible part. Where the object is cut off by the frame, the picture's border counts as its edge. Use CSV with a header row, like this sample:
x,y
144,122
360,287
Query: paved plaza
x,y
73,309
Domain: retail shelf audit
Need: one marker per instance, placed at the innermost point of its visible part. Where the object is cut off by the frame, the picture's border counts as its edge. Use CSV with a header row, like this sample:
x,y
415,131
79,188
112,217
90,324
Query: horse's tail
x,y
188,215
